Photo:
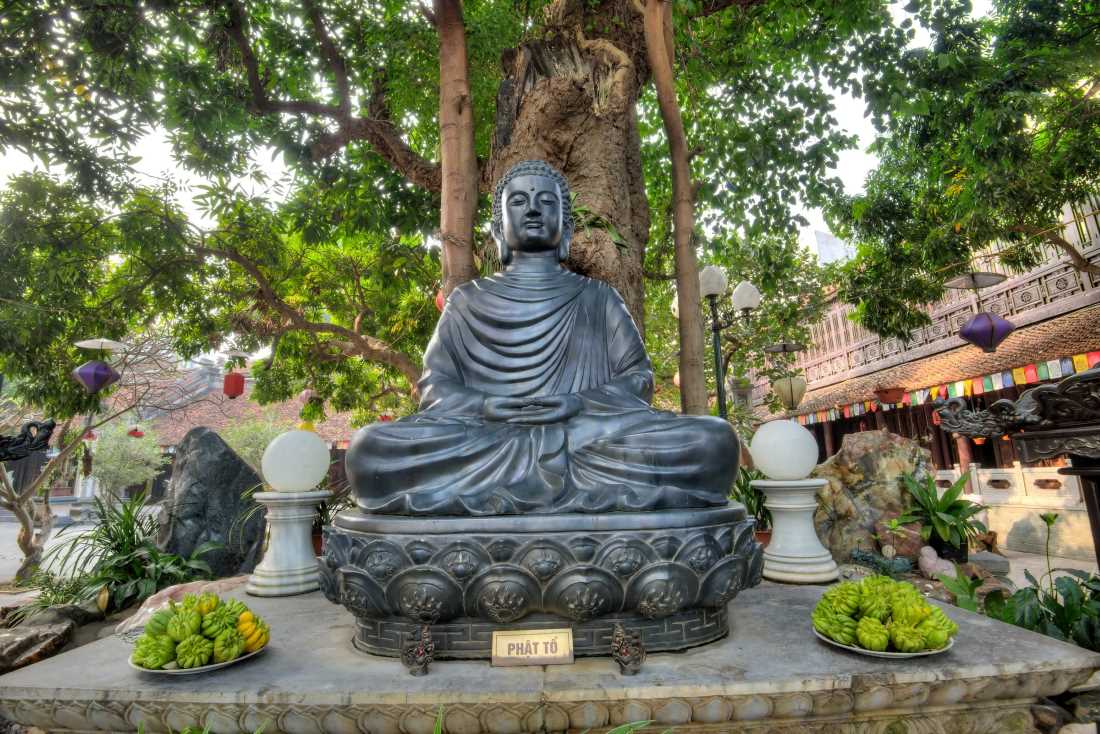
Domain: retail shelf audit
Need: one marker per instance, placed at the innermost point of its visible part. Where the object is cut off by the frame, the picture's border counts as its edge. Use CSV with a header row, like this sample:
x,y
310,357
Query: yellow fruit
x,y
254,630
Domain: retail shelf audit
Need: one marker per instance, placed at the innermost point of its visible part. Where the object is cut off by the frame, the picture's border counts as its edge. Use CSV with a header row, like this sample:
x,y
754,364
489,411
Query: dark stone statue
x,y
536,487
535,394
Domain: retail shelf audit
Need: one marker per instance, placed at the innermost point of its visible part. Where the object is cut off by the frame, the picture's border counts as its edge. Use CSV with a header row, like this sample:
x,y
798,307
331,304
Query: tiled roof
x,y
218,412
1062,336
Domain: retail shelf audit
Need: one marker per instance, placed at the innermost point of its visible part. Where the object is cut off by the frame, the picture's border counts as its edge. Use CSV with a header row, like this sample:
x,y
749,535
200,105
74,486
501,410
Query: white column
x,y
794,554
289,566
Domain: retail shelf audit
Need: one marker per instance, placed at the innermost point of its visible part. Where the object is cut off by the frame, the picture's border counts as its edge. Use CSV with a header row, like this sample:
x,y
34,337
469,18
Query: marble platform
x,y
770,675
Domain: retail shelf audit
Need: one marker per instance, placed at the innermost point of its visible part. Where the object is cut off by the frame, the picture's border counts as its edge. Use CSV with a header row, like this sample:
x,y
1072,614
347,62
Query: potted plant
x,y
947,522
753,500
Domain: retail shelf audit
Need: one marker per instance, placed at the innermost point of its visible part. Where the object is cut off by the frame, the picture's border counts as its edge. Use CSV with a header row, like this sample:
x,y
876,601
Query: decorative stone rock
x,y
864,487
78,614
932,566
795,554
992,562
206,502
24,645
905,539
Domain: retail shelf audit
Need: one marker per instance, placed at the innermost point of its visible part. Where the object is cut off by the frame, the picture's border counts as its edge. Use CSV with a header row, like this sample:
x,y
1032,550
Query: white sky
x,y
156,157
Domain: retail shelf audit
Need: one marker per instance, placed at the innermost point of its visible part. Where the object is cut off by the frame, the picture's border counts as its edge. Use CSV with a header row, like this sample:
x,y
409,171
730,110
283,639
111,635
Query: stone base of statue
x,y
666,574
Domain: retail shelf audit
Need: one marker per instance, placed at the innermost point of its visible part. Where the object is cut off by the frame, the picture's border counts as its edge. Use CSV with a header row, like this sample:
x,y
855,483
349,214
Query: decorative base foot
x,y
419,652
800,570
627,650
289,566
668,575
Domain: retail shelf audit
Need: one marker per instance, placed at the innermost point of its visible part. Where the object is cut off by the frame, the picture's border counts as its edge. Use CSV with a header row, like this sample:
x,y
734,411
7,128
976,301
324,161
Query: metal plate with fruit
x,y
200,634
883,618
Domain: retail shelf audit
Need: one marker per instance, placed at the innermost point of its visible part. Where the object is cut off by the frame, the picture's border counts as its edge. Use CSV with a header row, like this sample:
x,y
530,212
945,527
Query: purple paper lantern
x,y
986,330
95,375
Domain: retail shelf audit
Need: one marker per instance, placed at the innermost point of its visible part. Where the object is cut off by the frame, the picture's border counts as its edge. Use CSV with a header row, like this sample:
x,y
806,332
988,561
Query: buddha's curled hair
x,y
533,168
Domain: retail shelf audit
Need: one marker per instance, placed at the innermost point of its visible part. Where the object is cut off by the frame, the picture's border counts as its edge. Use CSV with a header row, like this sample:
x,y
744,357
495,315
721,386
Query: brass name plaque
x,y
533,647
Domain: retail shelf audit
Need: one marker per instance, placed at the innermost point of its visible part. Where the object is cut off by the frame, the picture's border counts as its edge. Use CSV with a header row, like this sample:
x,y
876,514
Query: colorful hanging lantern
x,y
135,431
986,330
233,386
979,440
384,418
89,435
95,375
440,301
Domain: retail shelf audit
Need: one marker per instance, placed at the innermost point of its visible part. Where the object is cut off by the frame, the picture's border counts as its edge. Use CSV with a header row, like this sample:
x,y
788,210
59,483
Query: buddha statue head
x,y
531,211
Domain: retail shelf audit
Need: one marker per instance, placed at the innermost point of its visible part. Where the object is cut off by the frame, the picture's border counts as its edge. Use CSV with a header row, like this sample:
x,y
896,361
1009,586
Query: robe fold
x,y
528,335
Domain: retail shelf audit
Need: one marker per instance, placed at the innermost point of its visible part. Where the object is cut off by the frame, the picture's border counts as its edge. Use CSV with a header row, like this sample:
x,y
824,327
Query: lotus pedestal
x,y
795,555
289,566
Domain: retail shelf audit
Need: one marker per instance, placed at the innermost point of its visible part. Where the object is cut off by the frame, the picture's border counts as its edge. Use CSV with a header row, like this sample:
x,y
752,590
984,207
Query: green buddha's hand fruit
x,y
934,636
872,634
157,626
228,645
194,651
154,651
189,601
844,597
184,623
905,637
942,621
910,612
217,621
206,603
874,604
236,607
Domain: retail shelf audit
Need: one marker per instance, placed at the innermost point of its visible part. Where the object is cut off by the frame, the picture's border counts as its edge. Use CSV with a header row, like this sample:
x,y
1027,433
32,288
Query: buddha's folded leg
x,y
650,460
455,465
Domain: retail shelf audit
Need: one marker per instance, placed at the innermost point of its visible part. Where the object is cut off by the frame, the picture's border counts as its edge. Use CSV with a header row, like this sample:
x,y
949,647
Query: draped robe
x,y
520,334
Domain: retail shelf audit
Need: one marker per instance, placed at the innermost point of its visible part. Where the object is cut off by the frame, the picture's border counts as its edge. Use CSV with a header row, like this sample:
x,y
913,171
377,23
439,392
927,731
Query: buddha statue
x,y
537,488
535,397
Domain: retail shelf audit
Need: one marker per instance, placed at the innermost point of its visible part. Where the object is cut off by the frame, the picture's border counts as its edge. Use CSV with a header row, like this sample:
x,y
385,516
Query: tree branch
x,y
384,137
332,55
716,6
1079,261
368,347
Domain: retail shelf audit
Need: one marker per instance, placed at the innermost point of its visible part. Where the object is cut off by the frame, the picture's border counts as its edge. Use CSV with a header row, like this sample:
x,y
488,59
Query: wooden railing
x,y
841,349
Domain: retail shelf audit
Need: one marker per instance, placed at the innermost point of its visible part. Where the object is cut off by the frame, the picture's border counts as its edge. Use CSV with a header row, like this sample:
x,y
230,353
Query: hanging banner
x,y
1093,359
1031,374
1043,370
1067,366
1054,369
1080,362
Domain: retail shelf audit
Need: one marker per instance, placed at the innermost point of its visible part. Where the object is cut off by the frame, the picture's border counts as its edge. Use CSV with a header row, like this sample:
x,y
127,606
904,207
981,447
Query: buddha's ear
x,y
566,229
503,249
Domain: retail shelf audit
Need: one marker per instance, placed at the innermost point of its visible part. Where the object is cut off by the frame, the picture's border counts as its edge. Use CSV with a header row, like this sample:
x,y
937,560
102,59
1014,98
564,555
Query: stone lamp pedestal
x,y
289,565
795,555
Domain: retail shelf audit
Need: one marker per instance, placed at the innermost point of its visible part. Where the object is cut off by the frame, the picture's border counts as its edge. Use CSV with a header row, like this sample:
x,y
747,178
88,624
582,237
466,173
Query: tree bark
x,y
570,100
458,159
658,35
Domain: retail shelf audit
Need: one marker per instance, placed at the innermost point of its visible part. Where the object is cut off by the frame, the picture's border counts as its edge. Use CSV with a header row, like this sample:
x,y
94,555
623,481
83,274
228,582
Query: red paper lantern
x,y
385,418
233,386
440,301
89,435
135,431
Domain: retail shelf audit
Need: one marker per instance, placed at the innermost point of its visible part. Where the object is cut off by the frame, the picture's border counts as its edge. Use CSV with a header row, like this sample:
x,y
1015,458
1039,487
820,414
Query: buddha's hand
x,y
535,411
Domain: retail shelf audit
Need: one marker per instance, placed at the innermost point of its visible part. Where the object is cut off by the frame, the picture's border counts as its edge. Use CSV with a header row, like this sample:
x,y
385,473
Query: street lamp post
x,y
713,283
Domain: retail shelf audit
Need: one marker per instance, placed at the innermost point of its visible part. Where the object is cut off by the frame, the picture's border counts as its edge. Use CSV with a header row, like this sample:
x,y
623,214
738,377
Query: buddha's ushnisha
x,y
536,392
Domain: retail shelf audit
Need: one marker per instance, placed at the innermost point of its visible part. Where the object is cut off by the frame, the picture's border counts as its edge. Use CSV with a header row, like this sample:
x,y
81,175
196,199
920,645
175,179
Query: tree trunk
x,y
458,159
658,37
570,100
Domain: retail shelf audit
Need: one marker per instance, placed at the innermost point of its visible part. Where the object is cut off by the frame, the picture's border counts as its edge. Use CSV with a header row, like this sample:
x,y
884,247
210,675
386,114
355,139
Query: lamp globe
x,y
784,450
295,461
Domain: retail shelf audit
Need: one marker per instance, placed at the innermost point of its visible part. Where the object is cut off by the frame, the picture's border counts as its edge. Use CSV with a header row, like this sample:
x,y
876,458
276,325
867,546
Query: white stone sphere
x,y
784,450
296,461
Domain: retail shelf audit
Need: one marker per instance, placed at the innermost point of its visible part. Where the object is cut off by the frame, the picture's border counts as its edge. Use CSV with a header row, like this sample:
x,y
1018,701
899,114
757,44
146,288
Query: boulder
x,y
992,562
23,645
864,488
209,499
904,539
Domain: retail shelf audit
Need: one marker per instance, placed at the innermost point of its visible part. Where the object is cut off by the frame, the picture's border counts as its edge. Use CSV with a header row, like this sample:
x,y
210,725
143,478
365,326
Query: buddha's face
x,y
531,212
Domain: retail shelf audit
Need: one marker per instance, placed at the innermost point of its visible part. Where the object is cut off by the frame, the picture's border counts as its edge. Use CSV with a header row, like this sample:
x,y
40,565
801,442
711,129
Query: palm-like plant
x,y
949,516
751,497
